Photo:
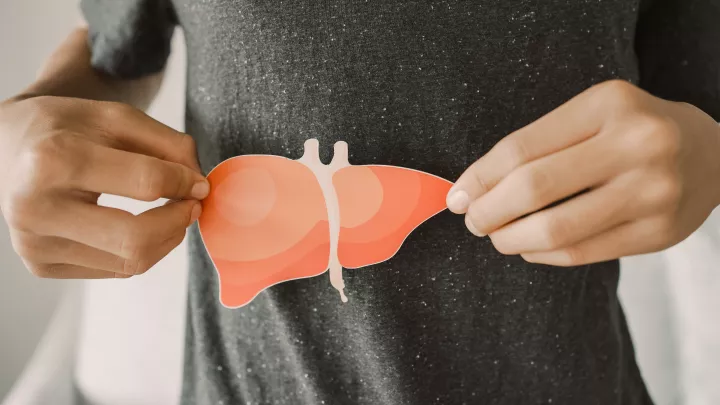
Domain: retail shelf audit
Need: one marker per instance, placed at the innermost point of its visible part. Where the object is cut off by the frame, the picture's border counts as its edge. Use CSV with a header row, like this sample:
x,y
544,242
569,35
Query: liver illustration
x,y
269,219
379,207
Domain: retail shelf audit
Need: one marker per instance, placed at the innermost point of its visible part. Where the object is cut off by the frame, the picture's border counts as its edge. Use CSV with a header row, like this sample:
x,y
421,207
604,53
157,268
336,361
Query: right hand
x,y
57,155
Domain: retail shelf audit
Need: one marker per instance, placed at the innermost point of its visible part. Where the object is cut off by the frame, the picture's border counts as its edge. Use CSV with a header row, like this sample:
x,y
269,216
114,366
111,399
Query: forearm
x,y
69,73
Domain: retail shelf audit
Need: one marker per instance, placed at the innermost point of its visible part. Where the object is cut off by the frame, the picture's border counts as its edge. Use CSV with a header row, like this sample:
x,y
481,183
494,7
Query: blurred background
x,y
120,341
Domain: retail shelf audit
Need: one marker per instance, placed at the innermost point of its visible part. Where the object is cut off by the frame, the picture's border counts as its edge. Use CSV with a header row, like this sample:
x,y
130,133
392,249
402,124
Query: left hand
x,y
643,173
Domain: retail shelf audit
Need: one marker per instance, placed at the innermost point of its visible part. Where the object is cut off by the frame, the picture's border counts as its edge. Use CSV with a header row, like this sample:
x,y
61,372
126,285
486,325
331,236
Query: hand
x,y
642,174
57,155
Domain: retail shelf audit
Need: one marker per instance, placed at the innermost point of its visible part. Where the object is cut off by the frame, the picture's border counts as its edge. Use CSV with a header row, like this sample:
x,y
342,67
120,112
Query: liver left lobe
x,y
380,206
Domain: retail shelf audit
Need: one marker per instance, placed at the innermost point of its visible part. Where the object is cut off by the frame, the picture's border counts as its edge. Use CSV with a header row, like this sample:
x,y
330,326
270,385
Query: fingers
x,y
638,196
142,177
68,233
49,250
132,130
541,183
112,253
572,221
67,161
120,233
73,150
631,238
52,257
568,125
154,254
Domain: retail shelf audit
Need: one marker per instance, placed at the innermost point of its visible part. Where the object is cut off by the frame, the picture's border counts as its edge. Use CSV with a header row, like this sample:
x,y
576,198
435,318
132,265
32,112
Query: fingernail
x,y
458,201
195,214
472,228
200,190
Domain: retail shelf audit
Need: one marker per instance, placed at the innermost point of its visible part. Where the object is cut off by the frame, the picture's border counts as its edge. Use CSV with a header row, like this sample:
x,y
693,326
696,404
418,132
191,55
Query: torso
x,y
428,85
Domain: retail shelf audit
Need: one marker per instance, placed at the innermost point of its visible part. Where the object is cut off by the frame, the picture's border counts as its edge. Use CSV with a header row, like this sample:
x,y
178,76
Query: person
x,y
578,133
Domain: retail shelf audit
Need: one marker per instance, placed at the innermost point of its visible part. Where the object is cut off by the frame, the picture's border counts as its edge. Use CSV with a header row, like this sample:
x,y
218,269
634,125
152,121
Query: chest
x,y
443,27
412,81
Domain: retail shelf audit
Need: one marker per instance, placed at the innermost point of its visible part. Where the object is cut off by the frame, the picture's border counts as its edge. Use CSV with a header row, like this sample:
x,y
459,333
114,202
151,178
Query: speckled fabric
x,y
430,85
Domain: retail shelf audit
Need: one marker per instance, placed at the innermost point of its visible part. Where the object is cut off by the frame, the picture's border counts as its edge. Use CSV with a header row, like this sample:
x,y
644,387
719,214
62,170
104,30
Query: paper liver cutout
x,y
269,219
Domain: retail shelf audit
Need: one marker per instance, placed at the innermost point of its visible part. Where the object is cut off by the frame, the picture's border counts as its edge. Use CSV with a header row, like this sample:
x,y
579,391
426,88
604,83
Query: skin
x,y
73,135
641,174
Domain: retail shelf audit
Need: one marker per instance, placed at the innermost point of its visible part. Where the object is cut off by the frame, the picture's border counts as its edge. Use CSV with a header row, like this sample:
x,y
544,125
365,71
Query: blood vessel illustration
x,y
270,219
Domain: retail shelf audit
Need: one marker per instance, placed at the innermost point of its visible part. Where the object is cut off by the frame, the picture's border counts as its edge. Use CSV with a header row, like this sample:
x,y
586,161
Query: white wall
x,y
29,30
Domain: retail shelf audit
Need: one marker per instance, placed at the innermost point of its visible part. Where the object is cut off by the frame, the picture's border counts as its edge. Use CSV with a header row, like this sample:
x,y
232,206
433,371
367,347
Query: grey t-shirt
x,y
429,85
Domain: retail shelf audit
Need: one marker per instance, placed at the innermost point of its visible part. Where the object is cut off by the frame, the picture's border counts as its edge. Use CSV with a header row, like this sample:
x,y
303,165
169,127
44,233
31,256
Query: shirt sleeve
x,y
129,38
678,49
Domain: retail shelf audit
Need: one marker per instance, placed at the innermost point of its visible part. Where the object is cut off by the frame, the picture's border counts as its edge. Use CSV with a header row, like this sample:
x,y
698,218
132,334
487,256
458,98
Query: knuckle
x,y
149,181
114,111
118,264
666,231
573,257
638,140
18,213
474,223
616,87
40,271
184,149
514,150
667,137
129,248
134,244
52,121
617,94
135,266
657,137
184,222
175,241
183,180
23,247
44,114
481,182
53,160
555,232
536,184
666,191
187,146
48,150
660,125
134,251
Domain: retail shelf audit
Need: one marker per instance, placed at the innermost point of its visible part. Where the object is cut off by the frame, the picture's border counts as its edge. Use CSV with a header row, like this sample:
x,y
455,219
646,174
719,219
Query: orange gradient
x,y
267,220
264,222
407,199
